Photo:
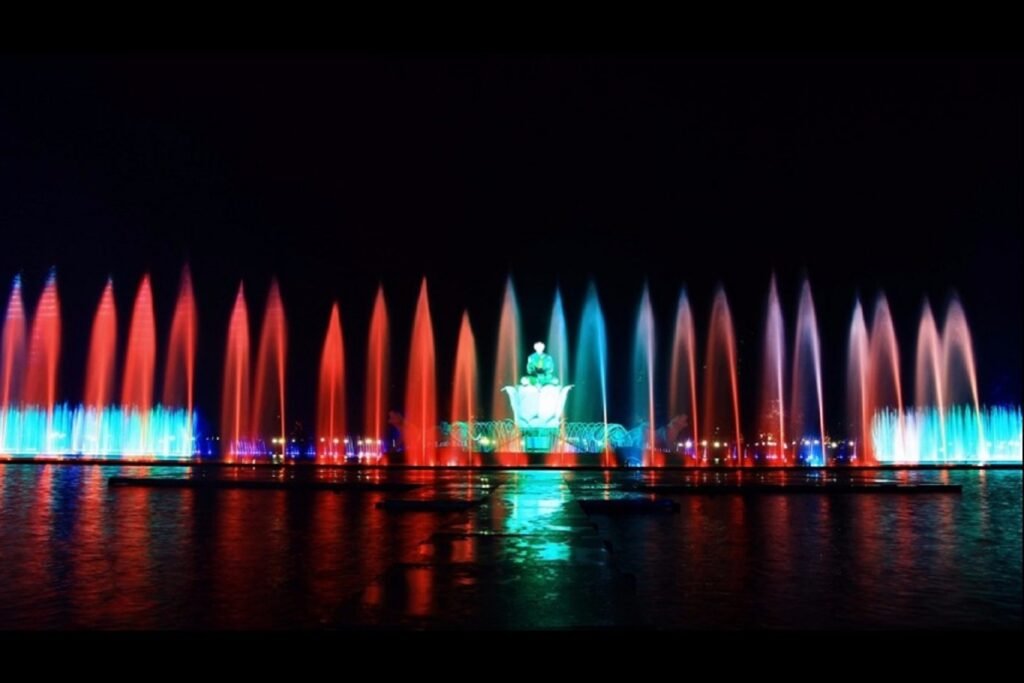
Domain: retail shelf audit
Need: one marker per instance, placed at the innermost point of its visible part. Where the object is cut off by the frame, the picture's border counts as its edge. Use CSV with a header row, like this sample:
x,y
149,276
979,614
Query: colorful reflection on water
x,y
78,553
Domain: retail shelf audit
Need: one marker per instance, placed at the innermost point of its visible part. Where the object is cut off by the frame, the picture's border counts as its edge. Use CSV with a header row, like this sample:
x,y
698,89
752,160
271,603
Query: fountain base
x,y
540,440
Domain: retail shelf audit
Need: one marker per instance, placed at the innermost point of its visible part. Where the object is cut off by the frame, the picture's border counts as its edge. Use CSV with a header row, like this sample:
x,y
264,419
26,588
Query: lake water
x,y
78,553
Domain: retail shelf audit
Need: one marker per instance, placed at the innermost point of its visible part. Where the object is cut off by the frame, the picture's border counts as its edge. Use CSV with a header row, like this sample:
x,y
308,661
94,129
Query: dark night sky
x,y
342,172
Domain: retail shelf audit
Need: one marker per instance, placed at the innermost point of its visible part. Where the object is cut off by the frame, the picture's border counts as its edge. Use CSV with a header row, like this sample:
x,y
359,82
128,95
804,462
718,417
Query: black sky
x,y
336,173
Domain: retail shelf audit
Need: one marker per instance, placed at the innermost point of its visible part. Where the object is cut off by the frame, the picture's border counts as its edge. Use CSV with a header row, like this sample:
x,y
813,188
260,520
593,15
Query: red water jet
x,y
377,363
682,400
179,374
234,422
465,393
721,369
773,402
99,368
12,350
885,389
330,412
268,398
140,358
420,388
44,350
507,363
858,398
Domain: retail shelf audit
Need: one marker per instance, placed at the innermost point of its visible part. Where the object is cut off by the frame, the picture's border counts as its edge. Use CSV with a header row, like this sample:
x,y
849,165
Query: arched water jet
x,y
682,400
420,423
330,413
808,411
236,435
720,373
772,428
268,418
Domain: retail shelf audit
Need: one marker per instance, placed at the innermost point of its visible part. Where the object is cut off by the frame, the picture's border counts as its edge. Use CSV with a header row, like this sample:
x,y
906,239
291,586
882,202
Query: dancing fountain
x,y
554,407
34,423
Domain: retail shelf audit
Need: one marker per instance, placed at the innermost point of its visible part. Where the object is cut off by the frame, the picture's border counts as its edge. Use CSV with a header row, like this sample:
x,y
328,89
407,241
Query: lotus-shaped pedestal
x,y
538,407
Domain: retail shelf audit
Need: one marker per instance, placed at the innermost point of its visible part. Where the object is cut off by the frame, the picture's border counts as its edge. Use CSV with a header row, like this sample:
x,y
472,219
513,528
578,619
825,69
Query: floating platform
x,y
628,506
428,504
827,489
259,484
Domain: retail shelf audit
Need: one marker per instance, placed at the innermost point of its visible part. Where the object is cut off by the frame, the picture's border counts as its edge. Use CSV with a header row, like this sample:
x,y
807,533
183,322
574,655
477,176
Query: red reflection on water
x,y
34,562
90,596
739,565
499,508
132,565
326,553
237,559
904,563
870,574
694,522
421,591
464,549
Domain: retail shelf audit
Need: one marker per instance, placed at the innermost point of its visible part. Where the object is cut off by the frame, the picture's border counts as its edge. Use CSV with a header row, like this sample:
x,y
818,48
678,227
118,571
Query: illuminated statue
x,y
540,368
538,402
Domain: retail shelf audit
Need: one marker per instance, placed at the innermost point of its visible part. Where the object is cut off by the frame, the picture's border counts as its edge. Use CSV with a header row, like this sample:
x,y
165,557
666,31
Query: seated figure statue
x,y
540,368
538,402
